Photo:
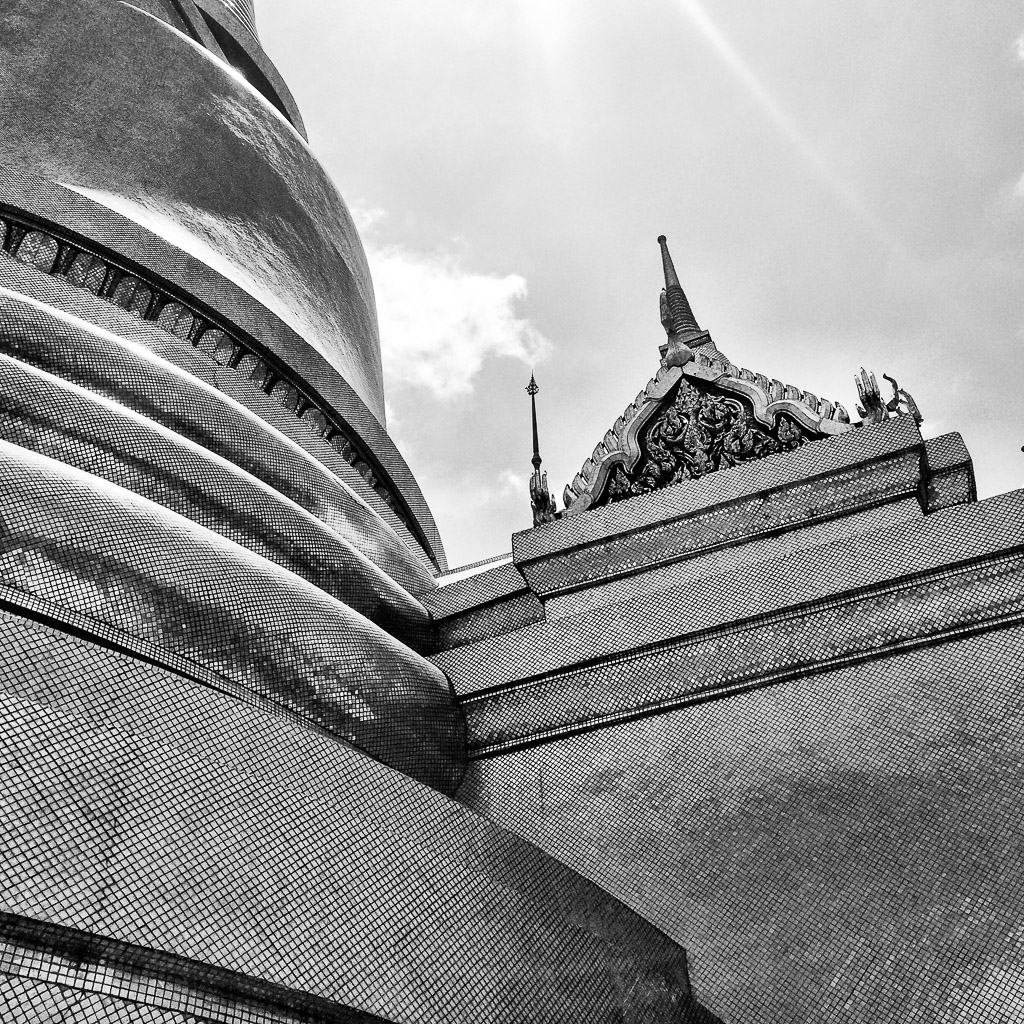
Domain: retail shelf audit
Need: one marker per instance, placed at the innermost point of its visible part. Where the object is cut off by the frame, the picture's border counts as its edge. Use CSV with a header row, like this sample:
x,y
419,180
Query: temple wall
x,y
840,847
777,711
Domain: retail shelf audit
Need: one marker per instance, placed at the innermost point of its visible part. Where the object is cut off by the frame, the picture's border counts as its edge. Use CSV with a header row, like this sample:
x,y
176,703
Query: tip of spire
x,y
532,388
671,279
677,316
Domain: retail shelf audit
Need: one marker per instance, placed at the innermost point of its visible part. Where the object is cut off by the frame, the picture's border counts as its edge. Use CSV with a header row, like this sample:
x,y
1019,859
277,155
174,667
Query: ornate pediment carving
x,y
695,433
697,419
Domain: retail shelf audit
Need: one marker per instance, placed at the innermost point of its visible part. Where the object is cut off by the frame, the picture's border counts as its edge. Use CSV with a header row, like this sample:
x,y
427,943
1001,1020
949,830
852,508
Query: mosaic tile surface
x,y
707,595
843,847
162,814
66,423
177,387
747,749
119,568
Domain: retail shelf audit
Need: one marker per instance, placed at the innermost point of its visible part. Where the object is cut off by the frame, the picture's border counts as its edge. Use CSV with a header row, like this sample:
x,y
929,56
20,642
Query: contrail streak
x,y
807,150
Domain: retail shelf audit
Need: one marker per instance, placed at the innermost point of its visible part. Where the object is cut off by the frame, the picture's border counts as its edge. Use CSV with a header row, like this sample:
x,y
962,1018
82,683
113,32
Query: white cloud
x,y
1020,46
439,320
367,218
511,482
1019,187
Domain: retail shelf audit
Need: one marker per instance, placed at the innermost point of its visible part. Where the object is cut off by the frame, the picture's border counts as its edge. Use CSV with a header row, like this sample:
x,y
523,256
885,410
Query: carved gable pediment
x,y
697,419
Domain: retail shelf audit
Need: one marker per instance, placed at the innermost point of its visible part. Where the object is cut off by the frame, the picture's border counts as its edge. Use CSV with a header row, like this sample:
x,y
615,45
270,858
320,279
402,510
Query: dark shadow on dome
x,y
243,63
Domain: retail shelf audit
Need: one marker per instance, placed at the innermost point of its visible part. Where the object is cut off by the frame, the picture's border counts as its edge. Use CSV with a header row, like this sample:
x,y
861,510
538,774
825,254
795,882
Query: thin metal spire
x,y
541,500
531,390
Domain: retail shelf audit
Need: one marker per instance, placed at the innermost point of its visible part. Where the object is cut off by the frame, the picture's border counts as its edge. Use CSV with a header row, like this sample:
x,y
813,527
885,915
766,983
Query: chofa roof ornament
x,y
698,414
873,410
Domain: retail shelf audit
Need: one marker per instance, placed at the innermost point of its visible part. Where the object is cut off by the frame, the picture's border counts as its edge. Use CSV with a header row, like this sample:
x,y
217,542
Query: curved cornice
x,y
115,567
146,370
230,309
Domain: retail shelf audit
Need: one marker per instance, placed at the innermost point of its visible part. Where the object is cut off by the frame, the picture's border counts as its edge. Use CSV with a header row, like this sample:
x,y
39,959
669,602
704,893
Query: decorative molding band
x,y
86,265
734,689
730,679
831,515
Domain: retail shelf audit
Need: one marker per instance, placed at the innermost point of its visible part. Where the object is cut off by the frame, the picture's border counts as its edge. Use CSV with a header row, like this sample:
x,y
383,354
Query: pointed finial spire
x,y
541,500
684,333
683,322
531,390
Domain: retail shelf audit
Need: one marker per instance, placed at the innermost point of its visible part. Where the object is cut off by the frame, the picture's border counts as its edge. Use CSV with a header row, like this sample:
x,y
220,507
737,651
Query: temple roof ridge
x,y
765,400
700,413
774,389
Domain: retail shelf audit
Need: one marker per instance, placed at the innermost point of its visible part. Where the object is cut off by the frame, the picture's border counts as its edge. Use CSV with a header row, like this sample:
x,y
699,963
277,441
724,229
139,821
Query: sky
x,y
842,185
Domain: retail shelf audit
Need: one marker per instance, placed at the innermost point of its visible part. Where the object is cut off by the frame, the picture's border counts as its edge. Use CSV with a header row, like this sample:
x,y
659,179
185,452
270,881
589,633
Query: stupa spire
x,y
683,322
684,333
